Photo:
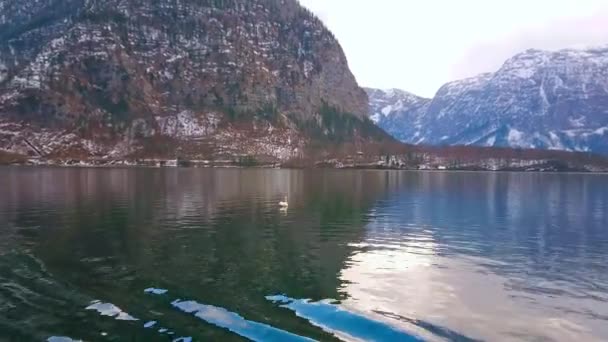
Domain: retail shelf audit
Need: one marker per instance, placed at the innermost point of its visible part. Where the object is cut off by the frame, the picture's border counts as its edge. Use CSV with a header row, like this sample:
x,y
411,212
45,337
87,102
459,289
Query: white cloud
x,y
419,45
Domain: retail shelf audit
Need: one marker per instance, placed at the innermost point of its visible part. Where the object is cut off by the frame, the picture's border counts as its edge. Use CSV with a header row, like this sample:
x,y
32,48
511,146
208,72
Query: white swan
x,y
284,203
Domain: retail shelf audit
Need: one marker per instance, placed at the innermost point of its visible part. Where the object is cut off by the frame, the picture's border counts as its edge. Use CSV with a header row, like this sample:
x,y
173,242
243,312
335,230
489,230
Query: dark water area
x,y
209,254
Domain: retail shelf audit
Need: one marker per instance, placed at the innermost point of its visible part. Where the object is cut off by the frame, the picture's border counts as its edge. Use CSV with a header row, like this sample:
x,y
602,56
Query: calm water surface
x,y
194,255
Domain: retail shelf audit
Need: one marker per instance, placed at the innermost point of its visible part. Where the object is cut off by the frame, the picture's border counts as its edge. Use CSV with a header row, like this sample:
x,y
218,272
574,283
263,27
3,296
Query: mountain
x,y
398,112
201,79
537,99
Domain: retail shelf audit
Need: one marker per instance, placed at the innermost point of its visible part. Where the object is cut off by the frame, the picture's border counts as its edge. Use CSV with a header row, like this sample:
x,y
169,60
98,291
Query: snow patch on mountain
x,y
515,137
187,125
3,72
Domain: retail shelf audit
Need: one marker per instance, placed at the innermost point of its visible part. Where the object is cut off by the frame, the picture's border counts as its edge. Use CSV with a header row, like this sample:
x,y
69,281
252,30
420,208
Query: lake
x,y
208,254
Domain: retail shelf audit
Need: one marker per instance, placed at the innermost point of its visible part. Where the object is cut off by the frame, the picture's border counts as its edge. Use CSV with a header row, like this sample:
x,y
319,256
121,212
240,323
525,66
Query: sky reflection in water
x,y
452,256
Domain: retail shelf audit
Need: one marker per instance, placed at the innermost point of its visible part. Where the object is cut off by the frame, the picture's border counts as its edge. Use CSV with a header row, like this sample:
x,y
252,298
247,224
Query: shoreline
x,y
368,167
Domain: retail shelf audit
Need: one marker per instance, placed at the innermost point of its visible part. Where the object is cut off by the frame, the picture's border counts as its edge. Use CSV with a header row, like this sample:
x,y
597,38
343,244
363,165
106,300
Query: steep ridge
x,y
167,78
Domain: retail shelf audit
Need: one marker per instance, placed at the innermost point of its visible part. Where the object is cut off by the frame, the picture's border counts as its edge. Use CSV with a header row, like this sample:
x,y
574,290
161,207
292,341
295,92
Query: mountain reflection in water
x,y
381,255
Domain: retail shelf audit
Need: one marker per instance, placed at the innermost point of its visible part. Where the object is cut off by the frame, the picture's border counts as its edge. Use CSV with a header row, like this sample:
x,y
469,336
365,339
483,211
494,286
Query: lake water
x,y
207,254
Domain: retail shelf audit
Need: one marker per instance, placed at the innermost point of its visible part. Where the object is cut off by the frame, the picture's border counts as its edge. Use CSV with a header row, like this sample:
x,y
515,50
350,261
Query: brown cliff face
x,y
118,77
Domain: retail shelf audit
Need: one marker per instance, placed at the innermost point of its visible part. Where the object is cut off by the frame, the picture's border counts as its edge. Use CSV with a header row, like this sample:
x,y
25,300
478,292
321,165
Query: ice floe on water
x,y
183,339
61,339
149,324
155,291
326,315
341,323
229,320
111,310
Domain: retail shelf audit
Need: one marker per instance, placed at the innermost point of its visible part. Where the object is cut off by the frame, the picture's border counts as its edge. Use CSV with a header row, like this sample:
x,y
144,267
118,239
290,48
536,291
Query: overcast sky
x,y
418,45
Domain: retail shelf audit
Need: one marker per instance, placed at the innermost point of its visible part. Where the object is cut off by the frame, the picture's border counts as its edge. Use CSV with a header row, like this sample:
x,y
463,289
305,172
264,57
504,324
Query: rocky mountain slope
x,y
399,113
167,78
537,99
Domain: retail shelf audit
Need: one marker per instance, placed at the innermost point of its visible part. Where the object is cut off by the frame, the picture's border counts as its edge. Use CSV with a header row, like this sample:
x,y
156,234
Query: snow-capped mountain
x,y
391,109
537,99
